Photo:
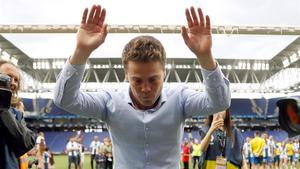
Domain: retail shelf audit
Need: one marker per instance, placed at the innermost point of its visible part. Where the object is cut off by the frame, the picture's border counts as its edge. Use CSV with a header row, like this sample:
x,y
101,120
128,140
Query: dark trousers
x,y
195,161
186,165
46,166
73,159
100,165
100,161
109,163
93,158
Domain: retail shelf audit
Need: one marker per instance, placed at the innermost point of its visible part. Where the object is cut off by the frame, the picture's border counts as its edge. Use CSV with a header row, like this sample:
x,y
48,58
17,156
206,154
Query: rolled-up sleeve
x,y
67,94
215,98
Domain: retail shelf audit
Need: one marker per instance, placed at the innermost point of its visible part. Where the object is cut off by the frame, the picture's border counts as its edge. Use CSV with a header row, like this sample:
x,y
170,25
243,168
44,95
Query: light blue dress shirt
x,y
143,139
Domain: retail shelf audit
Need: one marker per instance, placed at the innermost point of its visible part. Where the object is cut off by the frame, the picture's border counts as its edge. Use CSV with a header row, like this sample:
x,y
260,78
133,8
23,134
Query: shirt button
x,y
68,73
148,163
147,128
147,145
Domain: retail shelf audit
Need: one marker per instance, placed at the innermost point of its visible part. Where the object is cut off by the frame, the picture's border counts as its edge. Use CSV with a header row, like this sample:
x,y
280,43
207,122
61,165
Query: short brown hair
x,y
144,49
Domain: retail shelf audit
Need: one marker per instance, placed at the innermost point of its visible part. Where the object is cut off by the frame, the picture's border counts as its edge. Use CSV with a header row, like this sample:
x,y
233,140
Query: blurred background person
x,y
290,153
185,158
72,151
80,153
248,152
106,149
257,147
16,139
277,151
296,152
267,153
94,146
40,138
221,143
283,156
100,158
44,157
196,152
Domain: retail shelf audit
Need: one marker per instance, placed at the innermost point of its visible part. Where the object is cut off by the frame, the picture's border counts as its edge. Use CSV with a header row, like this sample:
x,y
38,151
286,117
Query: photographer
x,y
16,139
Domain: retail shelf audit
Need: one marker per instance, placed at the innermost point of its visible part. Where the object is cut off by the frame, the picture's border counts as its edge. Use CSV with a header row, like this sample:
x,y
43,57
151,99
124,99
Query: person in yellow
x,y
257,147
24,161
290,152
221,144
196,152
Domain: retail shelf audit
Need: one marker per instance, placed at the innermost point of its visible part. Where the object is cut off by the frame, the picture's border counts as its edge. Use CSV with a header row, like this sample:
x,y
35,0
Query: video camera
x,y
289,115
5,91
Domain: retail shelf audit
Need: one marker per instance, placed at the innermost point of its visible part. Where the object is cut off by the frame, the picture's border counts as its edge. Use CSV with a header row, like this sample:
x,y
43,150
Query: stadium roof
x,y
138,12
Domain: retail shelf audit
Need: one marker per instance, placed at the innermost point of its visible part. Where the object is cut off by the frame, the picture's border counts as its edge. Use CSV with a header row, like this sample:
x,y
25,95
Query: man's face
x,y
13,73
146,82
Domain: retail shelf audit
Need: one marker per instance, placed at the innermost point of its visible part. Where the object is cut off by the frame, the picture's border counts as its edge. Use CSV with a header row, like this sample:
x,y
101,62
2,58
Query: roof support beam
x,y
216,29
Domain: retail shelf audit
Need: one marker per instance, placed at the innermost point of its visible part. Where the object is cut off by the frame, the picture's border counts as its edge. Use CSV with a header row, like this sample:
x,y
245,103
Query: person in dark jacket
x,y
221,143
15,138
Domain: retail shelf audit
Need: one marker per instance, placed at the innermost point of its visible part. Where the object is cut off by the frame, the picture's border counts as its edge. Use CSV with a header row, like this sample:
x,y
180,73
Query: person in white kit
x,y
283,156
72,151
272,151
248,152
267,151
94,146
296,151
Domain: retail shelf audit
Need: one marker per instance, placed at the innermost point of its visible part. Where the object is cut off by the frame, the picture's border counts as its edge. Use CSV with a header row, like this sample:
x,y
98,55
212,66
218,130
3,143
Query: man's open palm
x,y
198,37
92,31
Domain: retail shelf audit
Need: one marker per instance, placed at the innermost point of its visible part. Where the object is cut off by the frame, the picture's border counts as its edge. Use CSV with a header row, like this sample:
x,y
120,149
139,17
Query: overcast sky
x,y
221,12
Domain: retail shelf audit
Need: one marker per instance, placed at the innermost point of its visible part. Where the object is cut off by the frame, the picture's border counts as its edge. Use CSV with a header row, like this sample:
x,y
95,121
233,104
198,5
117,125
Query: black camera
x,y
5,91
289,115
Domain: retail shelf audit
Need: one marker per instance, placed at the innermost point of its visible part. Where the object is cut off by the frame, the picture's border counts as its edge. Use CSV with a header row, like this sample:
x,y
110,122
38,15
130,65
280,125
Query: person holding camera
x,y
16,139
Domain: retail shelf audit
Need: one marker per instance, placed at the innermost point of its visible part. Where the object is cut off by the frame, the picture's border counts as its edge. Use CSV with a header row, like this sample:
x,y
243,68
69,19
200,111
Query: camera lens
x,y
5,92
4,81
